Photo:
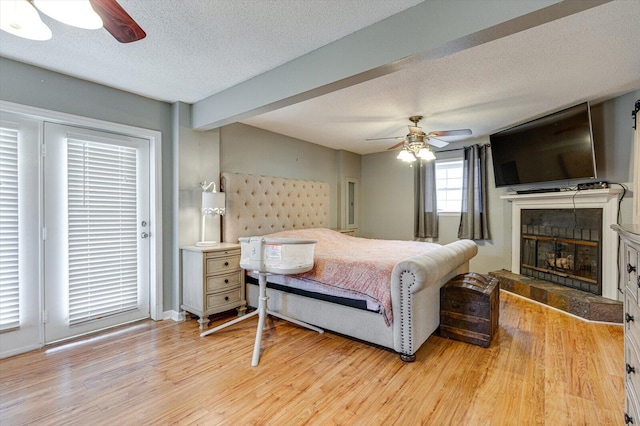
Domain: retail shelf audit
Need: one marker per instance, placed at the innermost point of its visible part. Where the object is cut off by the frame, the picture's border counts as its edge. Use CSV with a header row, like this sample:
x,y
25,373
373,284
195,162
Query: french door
x,y
20,249
96,245
74,233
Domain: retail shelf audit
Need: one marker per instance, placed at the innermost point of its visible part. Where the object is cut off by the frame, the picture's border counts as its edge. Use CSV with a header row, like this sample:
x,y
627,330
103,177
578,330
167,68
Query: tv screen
x,y
556,147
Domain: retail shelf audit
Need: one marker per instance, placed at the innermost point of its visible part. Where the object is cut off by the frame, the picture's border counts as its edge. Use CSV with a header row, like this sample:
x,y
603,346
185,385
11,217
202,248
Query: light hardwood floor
x,y
543,367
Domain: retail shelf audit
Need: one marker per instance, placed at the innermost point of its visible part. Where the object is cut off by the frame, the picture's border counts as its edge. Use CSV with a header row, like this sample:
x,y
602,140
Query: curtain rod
x,y
458,149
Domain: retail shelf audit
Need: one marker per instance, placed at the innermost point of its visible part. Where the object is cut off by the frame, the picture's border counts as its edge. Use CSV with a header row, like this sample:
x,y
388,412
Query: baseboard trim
x,y
19,351
173,315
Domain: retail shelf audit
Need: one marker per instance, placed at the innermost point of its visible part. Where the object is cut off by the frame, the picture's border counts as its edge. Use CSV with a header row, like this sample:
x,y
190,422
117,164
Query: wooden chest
x,y
469,308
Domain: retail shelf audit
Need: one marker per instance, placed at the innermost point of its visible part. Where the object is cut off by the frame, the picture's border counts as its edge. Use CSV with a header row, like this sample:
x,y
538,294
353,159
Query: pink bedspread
x,y
356,265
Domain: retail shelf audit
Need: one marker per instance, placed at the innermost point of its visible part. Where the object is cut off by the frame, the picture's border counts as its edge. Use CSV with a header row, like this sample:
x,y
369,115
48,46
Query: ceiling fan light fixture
x,y
406,156
426,154
20,18
77,13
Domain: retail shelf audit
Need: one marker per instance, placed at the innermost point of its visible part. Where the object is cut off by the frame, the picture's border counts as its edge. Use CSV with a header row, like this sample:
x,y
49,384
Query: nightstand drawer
x,y
632,363
219,282
631,319
630,272
215,265
631,409
231,297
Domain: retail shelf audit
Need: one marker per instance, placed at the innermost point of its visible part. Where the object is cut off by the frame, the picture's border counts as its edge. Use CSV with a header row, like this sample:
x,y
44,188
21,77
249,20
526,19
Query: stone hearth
x,y
575,302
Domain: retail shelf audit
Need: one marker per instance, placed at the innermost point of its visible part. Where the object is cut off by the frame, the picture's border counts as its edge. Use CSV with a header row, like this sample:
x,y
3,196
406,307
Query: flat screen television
x,y
556,147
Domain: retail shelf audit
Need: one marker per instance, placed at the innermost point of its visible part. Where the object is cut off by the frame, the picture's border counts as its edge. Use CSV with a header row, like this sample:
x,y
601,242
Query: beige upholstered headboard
x,y
258,205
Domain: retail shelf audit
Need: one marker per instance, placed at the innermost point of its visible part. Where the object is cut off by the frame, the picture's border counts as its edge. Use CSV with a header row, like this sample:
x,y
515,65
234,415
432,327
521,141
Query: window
x,y
449,185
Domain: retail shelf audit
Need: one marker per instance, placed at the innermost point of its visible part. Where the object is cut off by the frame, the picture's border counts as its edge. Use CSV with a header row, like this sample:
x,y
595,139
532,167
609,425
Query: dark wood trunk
x,y
469,308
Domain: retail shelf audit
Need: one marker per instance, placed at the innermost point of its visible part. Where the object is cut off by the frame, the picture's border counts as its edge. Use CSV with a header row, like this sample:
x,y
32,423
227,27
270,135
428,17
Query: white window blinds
x,y
9,282
103,256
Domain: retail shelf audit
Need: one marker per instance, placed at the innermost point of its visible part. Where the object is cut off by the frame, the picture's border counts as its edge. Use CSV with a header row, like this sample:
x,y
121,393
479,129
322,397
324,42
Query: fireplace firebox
x,y
563,246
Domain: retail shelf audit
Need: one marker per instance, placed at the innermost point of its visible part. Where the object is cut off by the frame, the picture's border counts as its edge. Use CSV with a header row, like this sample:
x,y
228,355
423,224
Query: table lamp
x,y
212,204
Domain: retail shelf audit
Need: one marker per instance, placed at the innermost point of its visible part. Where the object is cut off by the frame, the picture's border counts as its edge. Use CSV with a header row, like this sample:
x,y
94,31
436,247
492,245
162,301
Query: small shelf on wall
x,y
350,203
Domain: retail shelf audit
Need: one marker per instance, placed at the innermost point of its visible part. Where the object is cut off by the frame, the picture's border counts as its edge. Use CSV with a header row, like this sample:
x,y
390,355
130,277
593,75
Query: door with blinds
x,y
96,232
20,251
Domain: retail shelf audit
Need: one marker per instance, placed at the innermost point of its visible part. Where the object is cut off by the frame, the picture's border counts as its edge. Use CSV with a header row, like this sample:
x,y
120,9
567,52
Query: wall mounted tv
x,y
556,147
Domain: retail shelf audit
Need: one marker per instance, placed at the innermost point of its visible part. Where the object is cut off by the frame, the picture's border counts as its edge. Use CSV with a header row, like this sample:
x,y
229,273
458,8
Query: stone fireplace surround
x,y
605,199
563,246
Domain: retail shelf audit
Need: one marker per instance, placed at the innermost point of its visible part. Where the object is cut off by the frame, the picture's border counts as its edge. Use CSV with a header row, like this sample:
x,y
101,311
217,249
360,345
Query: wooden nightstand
x,y
212,280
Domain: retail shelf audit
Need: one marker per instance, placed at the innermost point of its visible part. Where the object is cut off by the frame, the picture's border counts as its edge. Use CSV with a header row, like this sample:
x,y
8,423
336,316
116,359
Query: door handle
x,y
144,235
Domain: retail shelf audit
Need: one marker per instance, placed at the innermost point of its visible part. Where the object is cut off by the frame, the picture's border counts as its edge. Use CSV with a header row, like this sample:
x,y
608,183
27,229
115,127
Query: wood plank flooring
x,y
543,368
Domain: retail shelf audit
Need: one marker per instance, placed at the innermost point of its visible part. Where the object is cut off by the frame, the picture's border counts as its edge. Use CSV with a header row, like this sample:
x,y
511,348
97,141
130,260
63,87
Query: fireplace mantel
x,y
605,199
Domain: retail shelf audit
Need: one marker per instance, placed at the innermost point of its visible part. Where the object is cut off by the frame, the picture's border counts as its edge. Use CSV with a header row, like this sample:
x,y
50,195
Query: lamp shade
x,y
213,202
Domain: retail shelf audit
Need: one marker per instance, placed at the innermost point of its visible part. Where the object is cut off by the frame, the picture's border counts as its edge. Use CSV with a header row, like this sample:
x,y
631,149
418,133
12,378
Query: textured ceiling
x,y
589,56
197,48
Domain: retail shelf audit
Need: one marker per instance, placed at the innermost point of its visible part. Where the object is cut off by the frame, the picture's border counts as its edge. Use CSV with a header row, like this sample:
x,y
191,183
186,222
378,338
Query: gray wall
x,y
386,197
37,87
387,187
613,135
198,161
246,149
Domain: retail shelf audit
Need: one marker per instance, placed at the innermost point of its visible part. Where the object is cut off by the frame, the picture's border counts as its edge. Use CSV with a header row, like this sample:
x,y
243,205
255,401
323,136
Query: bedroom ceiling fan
x,y
416,143
21,18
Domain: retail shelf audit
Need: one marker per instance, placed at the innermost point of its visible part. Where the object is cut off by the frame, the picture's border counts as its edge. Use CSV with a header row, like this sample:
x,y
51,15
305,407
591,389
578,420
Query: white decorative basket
x,y
277,255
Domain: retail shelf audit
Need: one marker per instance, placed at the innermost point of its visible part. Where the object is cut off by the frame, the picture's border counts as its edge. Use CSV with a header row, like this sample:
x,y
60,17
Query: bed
x,y
401,320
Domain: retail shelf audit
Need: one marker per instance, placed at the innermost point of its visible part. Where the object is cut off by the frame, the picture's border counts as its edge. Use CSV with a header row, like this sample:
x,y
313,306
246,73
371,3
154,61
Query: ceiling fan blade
x,y
438,143
381,139
460,132
398,145
117,21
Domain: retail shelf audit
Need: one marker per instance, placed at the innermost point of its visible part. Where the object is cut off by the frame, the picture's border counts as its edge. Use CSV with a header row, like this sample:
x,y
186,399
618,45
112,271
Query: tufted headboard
x,y
258,205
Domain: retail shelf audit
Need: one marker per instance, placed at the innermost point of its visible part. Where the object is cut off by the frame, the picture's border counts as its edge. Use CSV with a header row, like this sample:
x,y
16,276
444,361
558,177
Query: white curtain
x,y
426,207
474,220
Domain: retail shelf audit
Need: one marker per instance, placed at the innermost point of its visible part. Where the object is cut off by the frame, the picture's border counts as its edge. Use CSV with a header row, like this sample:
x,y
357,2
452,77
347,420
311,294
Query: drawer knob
x,y
226,263
226,281
226,298
631,369
627,419
628,318
630,268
